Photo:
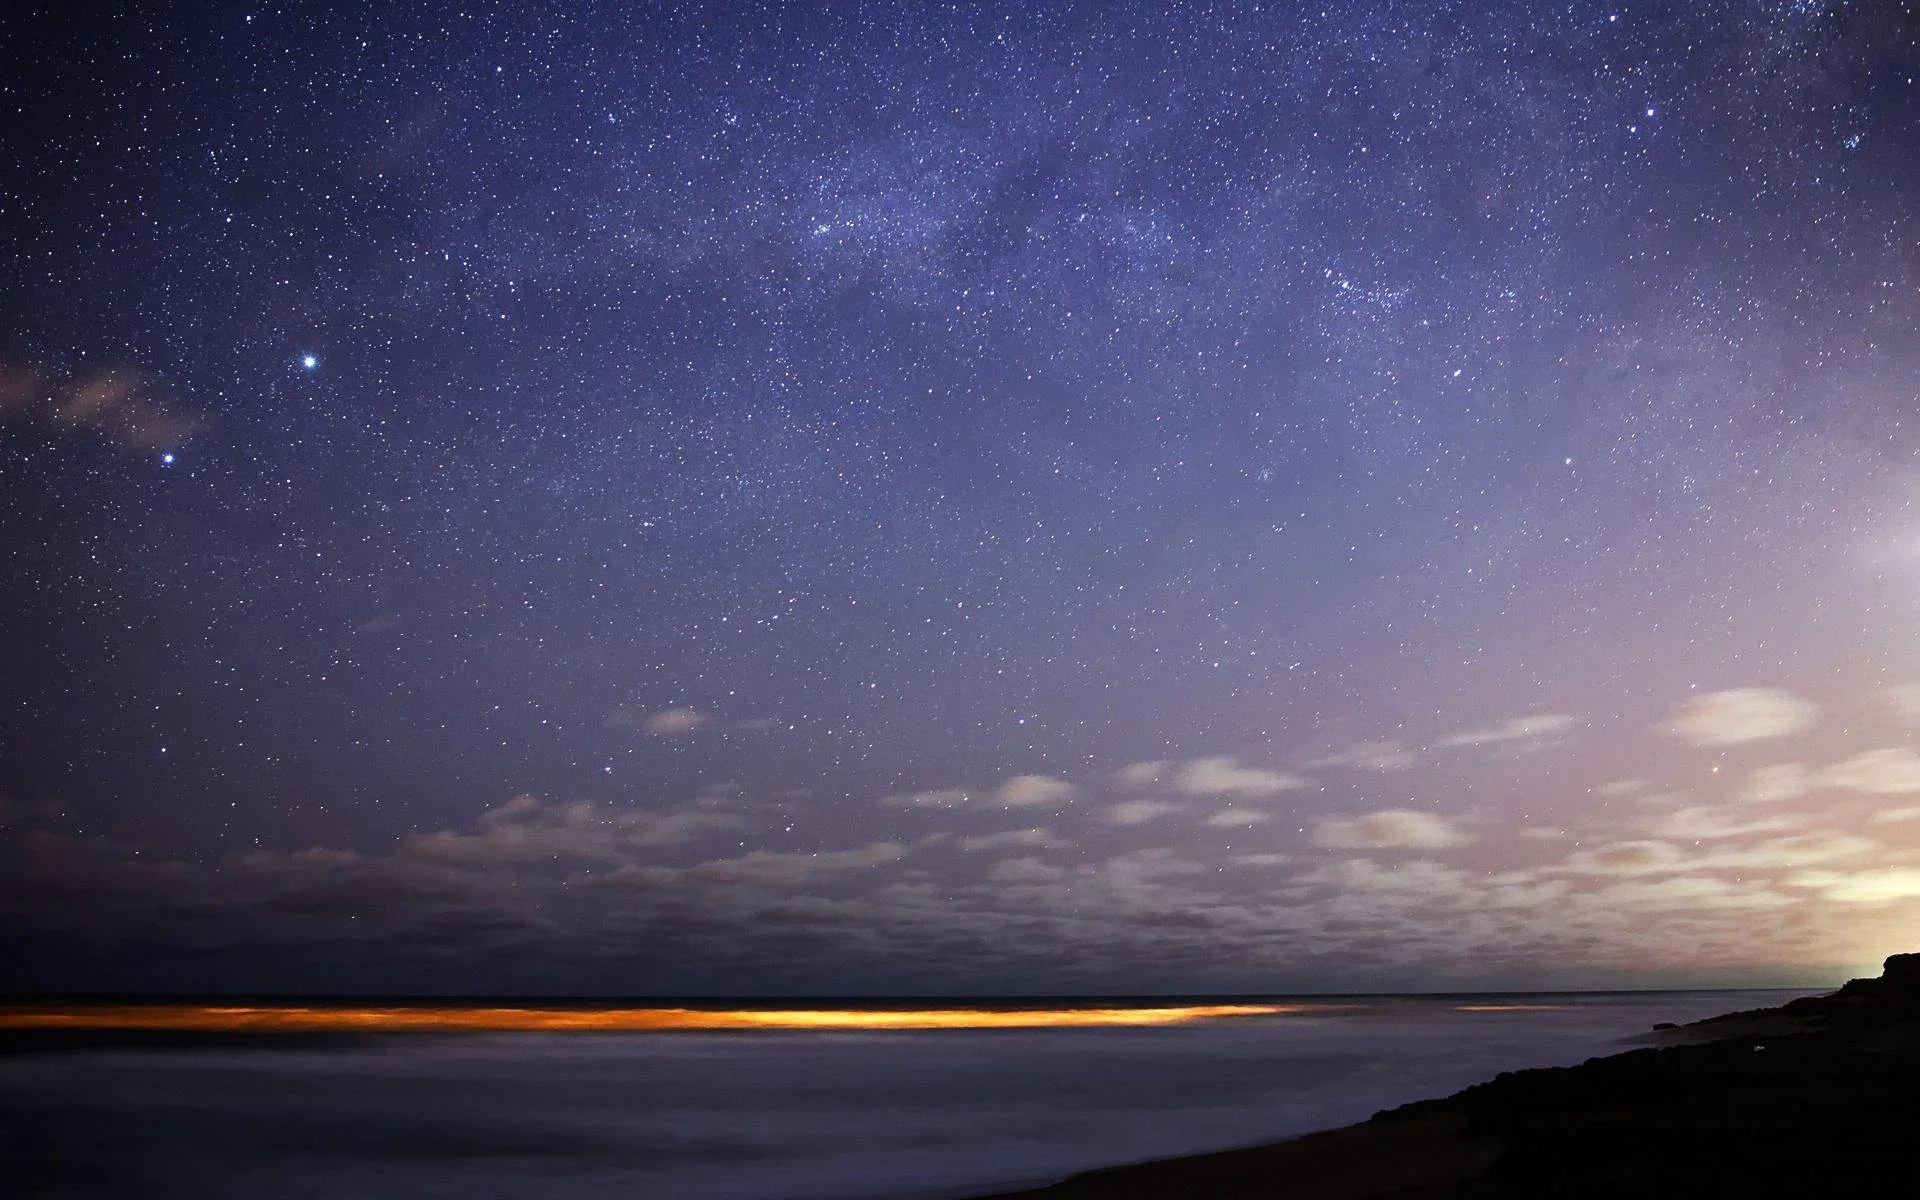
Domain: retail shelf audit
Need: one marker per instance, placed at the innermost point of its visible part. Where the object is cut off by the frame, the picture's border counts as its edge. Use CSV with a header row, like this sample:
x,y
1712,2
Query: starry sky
x,y
740,498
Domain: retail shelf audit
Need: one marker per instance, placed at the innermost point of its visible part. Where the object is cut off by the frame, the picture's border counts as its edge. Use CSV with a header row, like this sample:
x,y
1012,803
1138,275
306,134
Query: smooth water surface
x,y
843,1115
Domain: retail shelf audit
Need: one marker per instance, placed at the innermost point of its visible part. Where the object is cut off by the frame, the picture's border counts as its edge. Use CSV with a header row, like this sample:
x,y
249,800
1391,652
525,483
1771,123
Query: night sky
x,y
860,497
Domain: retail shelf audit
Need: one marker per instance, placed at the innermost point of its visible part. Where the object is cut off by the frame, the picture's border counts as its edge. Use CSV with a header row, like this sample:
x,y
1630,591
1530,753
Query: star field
x,y
731,497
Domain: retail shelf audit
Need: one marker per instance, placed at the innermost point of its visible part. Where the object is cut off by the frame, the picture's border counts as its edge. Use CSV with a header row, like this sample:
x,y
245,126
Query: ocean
x,y
839,1114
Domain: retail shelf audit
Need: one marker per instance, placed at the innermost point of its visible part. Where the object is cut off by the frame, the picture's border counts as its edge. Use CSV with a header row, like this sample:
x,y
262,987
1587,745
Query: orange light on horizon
x,y
1508,1007
313,1019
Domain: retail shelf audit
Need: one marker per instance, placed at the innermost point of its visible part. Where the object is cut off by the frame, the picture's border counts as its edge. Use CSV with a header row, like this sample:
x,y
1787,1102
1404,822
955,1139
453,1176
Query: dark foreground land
x,y
1817,1098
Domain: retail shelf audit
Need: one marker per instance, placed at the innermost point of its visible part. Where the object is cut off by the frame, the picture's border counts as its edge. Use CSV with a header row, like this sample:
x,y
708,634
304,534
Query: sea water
x,y
773,1115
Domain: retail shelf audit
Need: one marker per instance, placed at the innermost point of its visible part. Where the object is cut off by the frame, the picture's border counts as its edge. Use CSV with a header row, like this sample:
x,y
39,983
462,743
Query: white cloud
x,y
1707,822
1237,818
1616,788
1368,756
1029,791
1798,850
1037,838
1781,781
1142,866
1903,700
1143,774
1025,872
1136,812
1892,815
1419,876
1533,727
1892,772
1627,858
1222,776
668,722
935,798
1389,830
526,829
1689,893
1862,887
1740,715
760,866
1658,857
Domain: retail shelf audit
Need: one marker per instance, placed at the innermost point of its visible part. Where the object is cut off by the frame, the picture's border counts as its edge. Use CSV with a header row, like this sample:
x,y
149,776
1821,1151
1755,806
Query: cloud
x,y
1237,818
1419,876
1039,838
1740,715
761,866
938,798
1706,822
1025,872
20,814
1903,701
1689,893
1616,788
1222,776
672,722
1141,866
1368,756
1535,727
1862,887
1627,858
1031,791
118,404
1781,781
528,828
1660,857
1892,772
1136,812
668,722
1142,775
1393,829
1792,851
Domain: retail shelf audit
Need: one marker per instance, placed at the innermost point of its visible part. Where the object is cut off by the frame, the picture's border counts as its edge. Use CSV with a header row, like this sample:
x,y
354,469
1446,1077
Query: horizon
x,y
23,999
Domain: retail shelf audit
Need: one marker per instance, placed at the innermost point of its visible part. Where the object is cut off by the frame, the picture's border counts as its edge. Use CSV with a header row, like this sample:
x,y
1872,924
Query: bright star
x,y
166,460
309,361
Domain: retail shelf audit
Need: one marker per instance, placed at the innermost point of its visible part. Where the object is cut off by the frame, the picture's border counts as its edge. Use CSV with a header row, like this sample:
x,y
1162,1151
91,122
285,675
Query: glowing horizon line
x,y
310,1019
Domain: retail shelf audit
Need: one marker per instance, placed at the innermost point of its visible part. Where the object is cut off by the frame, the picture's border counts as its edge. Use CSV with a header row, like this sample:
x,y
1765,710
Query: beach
x,y
1815,1097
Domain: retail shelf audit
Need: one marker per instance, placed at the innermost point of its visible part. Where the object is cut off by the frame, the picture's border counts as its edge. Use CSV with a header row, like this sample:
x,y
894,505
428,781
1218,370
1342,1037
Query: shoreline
x,y
1802,1099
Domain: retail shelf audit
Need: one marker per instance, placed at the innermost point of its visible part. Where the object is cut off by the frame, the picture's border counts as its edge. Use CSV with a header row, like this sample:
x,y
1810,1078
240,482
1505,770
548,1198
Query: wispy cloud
x,y
1223,776
1775,783
1535,727
932,798
1877,886
120,404
1392,829
1739,715
1137,812
1033,791
1237,817
1889,772
1368,756
1035,838
662,723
